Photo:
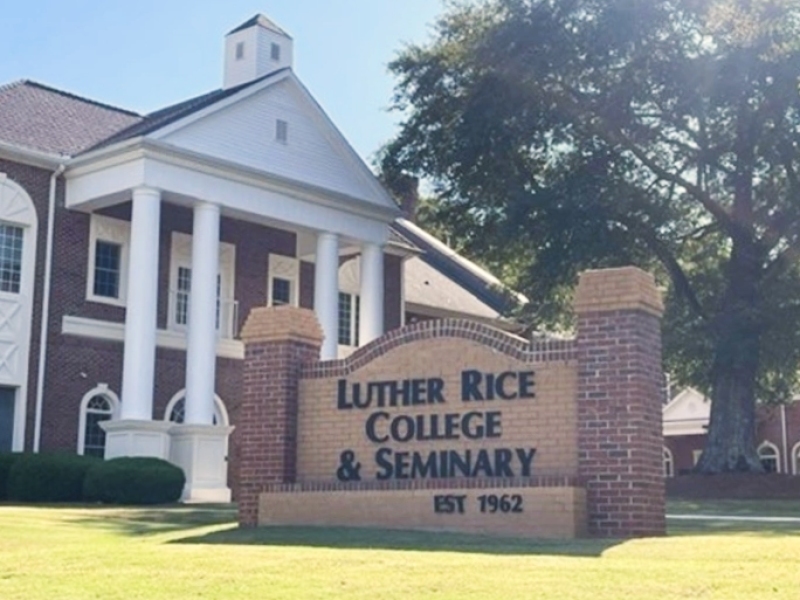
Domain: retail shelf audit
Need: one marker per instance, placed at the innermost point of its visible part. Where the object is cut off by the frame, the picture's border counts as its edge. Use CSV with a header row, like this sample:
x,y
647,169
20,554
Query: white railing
x,y
227,314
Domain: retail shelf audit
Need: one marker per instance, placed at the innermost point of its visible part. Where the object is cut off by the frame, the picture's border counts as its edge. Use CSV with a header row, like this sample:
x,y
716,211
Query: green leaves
x,y
561,135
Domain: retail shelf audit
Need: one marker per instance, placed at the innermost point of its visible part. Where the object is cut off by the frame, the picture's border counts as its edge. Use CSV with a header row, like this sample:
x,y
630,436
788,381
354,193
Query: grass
x,y
197,552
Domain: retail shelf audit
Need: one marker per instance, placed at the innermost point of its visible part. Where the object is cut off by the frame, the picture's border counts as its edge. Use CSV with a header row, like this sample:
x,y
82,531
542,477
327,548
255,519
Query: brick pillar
x,y
619,402
277,342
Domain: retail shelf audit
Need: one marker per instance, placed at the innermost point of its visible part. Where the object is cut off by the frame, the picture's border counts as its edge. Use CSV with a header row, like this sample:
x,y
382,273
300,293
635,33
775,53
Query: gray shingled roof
x,y
42,118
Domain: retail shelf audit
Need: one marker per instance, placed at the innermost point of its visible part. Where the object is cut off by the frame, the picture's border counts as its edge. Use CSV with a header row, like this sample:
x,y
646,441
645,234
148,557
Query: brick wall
x,y
619,402
267,431
442,349
594,421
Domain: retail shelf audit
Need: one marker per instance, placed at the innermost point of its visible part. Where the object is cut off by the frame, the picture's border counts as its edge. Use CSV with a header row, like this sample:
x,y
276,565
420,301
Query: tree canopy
x,y
561,135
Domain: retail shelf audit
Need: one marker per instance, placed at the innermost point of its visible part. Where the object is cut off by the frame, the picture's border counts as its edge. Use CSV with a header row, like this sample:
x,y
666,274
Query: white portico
x,y
259,150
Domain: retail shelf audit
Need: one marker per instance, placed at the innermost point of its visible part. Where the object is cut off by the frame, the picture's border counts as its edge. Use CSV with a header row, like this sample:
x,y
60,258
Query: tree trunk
x,y
730,446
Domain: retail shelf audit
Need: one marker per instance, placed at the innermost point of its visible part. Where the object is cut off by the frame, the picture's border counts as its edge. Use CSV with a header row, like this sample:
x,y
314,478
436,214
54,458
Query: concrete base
x,y
202,452
137,438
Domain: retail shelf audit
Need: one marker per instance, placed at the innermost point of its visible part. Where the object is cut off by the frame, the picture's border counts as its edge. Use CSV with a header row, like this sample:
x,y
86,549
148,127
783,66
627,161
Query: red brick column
x,y
619,402
278,341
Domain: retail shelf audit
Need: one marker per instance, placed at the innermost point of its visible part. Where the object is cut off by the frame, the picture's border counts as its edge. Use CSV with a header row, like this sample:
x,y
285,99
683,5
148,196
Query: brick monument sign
x,y
454,425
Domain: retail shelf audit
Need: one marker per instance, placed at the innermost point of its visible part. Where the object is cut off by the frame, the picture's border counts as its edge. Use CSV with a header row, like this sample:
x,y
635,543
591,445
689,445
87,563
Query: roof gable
x,y
240,128
687,414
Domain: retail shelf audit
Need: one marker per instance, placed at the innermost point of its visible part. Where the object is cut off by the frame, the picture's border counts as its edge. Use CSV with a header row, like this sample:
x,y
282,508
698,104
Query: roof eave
x,y
30,156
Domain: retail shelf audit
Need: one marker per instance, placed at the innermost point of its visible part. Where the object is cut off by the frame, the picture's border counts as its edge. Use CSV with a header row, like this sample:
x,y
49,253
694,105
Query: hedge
x,y
134,480
48,477
6,460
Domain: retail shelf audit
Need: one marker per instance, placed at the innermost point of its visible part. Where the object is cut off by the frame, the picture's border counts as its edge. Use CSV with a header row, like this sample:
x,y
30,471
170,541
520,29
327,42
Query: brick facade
x,y
593,423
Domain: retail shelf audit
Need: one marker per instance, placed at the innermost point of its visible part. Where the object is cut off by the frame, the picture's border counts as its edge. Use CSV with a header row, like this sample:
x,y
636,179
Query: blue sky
x,y
146,54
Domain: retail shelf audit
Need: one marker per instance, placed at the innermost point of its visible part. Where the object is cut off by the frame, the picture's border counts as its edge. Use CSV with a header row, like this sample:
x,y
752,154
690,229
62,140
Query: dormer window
x,y
282,131
275,52
240,51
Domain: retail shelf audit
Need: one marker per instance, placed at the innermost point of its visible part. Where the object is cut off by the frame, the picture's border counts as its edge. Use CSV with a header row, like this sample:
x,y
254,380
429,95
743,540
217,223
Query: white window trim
x,y
17,209
349,283
796,459
181,256
668,458
219,407
775,449
114,231
288,268
100,390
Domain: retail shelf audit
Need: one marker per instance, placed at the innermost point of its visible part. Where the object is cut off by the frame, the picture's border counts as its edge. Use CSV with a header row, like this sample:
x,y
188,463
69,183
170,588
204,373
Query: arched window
x,y
768,453
669,464
176,409
98,405
796,459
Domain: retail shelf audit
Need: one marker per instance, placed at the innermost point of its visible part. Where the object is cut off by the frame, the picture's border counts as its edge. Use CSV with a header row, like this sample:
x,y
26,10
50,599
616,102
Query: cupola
x,y
254,49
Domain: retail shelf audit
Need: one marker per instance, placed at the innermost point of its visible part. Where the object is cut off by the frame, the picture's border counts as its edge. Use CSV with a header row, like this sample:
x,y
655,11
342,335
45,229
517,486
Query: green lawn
x,y
84,553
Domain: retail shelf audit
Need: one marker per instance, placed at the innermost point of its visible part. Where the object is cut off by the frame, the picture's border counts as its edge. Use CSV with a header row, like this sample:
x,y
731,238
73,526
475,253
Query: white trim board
x,y
115,332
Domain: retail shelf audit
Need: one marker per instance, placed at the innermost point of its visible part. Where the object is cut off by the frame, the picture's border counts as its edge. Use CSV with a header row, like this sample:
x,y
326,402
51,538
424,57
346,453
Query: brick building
x,y
686,419
118,230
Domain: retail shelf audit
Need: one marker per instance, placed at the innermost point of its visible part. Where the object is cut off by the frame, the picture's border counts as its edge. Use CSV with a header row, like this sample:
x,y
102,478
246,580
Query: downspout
x,y
784,440
43,330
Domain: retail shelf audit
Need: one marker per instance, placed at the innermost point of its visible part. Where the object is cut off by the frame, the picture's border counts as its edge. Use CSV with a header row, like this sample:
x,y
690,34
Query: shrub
x,y
48,477
6,460
134,480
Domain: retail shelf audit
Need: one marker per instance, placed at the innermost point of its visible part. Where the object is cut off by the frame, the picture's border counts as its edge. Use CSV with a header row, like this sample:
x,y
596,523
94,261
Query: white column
x,y
140,315
201,351
371,309
326,292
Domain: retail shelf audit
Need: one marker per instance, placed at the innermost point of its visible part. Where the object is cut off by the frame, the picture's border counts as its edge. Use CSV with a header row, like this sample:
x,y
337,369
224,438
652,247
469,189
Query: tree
x,y
590,133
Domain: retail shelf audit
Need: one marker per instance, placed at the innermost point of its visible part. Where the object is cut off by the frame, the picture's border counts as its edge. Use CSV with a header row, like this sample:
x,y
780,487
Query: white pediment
x,y
243,130
687,414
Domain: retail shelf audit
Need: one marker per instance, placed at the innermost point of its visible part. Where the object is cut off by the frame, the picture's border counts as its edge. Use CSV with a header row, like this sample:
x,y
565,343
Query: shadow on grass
x,y
157,519
363,539
678,527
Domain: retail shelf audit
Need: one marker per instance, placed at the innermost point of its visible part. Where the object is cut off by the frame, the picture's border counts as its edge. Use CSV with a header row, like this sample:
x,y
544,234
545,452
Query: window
x,y
10,258
181,286
239,50
281,291
182,297
98,405
108,256
275,52
176,409
348,319
282,131
768,453
696,454
107,265
669,464
796,459
284,278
